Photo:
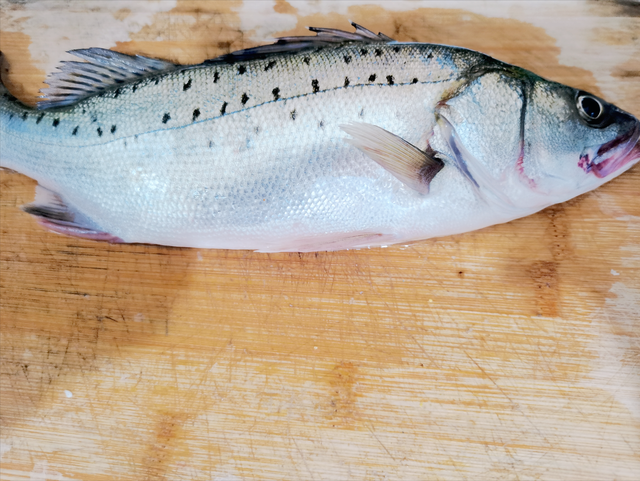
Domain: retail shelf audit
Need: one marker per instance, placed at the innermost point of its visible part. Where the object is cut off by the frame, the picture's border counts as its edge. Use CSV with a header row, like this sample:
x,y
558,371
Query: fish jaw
x,y
615,156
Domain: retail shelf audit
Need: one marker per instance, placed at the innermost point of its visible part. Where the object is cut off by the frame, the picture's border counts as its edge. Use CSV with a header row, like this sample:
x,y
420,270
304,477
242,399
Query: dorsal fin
x,y
360,35
101,70
324,37
104,69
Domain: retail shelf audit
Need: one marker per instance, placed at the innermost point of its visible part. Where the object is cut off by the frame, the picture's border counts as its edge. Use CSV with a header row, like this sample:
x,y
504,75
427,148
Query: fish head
x,y
574,141
525,143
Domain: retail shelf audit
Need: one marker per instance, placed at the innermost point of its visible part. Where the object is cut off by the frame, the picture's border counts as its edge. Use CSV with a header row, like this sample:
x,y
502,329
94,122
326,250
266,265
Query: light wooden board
x,y
508,353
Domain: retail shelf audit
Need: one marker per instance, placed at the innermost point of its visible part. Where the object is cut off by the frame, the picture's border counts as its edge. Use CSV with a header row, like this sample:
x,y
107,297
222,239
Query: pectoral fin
x,y
412,166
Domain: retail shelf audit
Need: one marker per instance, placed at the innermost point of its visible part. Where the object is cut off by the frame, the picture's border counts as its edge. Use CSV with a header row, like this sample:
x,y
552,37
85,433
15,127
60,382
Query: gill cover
x,y
483,124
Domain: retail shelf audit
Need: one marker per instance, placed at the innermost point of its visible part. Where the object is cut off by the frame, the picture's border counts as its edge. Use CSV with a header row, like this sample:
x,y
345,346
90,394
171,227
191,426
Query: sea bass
x,y
335,141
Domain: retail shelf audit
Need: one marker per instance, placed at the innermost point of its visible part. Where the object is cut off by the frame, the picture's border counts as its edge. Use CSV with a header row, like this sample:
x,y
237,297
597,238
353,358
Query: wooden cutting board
x,y
508,353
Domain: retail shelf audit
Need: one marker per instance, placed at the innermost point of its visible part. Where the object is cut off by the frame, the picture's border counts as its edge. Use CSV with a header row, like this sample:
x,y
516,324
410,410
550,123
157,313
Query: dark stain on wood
x,y
343,396
544,275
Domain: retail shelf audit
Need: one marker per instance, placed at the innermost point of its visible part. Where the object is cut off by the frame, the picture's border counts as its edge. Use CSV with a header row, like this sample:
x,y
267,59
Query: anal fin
x,y
335,241
413,167
56,216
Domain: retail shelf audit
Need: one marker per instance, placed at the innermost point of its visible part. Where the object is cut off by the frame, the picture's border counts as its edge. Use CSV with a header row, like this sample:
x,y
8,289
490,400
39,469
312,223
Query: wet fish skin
x,y
251,154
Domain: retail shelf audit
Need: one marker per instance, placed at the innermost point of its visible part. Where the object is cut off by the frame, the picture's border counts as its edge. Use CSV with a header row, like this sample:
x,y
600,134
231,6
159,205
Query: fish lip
x,y
613,155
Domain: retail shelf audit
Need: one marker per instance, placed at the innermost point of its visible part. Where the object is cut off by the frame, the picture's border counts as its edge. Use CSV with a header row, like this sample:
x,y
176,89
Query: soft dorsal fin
x,y
104,69
101,70
413,167
324,37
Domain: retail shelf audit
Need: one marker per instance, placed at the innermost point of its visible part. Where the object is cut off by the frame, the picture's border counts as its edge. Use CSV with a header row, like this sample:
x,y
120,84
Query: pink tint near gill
x,y
520,166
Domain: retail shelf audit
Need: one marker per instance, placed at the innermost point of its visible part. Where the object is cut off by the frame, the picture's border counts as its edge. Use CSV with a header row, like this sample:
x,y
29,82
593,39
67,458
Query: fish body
x,y
305,147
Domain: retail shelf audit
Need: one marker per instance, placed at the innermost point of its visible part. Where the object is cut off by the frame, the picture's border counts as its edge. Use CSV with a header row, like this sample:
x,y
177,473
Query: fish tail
x,y
4,69
13,114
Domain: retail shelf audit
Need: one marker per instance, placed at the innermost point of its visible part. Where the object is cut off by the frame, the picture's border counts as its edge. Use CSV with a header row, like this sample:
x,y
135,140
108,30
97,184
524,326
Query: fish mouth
x,y
612,156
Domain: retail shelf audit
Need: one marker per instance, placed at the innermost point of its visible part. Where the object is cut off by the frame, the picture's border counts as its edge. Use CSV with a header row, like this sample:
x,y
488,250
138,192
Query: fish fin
x,y
324,37
101,70
4,70
332,242
55,215
412,166
360,35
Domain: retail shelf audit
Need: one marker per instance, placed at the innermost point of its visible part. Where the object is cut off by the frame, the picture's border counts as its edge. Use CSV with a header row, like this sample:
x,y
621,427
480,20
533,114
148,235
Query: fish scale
x,y
133,109
248,151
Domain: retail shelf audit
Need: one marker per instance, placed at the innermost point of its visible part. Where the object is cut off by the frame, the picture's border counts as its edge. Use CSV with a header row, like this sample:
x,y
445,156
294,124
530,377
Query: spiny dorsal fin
x,y
413,167
324,37
101,70
360,35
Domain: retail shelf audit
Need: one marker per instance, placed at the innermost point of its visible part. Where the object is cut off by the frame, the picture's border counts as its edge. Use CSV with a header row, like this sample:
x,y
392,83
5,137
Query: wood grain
x,y
507,353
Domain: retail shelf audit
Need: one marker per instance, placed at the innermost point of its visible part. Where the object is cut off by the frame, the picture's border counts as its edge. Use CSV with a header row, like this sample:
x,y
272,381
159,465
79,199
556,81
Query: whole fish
x,y
334,141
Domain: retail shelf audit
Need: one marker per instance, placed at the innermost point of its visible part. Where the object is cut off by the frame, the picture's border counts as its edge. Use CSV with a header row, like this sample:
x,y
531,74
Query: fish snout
x,y
610,157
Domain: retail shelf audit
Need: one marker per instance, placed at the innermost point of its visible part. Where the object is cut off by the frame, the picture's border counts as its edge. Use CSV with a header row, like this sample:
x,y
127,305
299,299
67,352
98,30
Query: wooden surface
x,y
508,353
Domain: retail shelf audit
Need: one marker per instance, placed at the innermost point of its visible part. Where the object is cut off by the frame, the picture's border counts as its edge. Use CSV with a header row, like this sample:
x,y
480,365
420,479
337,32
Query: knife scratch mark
x,y
369,426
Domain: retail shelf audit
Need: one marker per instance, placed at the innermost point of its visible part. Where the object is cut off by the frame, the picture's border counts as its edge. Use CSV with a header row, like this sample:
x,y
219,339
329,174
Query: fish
x,y
338,140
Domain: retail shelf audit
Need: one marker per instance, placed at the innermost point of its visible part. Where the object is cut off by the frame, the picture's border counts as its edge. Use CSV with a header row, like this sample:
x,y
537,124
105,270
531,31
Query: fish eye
x,y
589,107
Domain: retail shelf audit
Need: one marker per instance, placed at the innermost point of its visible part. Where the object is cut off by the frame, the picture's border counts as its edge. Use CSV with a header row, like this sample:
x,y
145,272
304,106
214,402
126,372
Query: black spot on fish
x,y
315,86
414,81
364,51
378,52
116,93
321,124
113,129
186,86
216,77
196,114
361,112
134,88
396,49
293,115
10,116
75,130
257,130
430,56
224,108
244,99
210,143
270,65
25,115
242,69
165,118
157,81
346,81
372,77
55,122
99,132
40,117
84,111
306,60
94,119
276,93
390,79
347,59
